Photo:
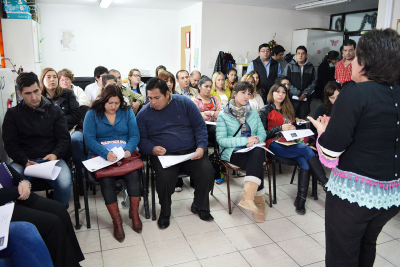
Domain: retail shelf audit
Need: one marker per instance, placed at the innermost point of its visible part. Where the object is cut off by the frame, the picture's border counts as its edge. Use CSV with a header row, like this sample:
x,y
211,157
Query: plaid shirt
x,y
342,73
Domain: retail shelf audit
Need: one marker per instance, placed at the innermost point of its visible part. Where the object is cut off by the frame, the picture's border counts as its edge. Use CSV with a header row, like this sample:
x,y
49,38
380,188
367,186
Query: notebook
x,y
5,176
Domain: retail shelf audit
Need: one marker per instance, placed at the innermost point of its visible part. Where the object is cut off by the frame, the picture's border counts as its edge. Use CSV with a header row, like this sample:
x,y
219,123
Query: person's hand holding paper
x,y
199,155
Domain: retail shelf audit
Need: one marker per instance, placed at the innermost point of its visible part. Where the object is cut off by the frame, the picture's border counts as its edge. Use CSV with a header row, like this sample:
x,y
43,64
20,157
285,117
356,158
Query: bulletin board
x,y
184,31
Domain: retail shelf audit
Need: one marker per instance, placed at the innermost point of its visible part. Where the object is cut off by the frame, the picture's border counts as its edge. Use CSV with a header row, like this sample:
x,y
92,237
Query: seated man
x,y
183,87
194,79
91,89
36,131
173,125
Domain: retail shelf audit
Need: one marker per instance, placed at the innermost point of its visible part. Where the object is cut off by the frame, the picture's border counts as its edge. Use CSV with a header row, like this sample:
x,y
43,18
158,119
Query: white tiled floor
x,y
285,239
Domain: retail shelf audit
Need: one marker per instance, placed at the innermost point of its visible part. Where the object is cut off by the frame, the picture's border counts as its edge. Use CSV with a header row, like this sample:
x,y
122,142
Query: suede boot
x,y
251,184
304,180
318,171
119,233
134,214
259,200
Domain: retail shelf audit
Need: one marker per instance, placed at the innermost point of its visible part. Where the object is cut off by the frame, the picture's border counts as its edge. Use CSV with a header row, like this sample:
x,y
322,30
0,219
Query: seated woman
x,y
135,83
208,105
331,92
110,123
231,78
278,116
50,217
218,88
255,100
66,77
258,87
169,78
239,126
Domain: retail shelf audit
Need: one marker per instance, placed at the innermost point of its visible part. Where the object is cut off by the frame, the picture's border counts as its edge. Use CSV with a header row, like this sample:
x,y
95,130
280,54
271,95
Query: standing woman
x,y
231,78
256,100
238,116
218,88
110,121
326,73
360,142
279,116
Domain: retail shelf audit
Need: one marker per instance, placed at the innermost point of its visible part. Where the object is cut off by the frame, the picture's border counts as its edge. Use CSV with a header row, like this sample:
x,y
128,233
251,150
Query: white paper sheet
x,y
98,163
296,134
262,145
296,98
6,212
211,123
46,170
168,161
302,122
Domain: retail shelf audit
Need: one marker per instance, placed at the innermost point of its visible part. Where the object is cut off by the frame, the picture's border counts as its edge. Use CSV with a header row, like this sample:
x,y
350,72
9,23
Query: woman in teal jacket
x,y
237,117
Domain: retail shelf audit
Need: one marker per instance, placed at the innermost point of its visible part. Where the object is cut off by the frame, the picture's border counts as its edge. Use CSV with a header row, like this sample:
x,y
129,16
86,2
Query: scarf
x,y
240,113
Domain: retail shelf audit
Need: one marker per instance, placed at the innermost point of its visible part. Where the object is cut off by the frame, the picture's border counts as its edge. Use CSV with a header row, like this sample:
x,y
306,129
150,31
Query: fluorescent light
x,y
105,3
320,3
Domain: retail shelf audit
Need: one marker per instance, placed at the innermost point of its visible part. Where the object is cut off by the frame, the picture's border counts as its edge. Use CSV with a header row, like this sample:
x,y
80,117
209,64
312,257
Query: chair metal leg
x,y
76,201
153,197
280,168
294,173
274,179
315,187
85,198
145,195
228,190
269,185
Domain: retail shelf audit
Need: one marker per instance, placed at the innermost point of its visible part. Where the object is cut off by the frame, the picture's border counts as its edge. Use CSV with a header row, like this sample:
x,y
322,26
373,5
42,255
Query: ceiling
x,y
354,5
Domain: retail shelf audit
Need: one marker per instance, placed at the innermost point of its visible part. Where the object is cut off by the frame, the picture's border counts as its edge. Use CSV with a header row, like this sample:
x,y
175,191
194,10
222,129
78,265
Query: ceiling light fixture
x,y
105,3
320,3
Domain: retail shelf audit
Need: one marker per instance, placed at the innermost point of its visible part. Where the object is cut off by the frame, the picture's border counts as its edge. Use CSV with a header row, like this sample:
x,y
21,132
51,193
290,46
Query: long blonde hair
x,y
58,91
214,79
286,105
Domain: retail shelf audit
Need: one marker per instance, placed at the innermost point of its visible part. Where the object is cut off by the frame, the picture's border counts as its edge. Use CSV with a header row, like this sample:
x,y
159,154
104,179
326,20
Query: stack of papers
x,y
262,145
168,161
98,163
46,170
6,212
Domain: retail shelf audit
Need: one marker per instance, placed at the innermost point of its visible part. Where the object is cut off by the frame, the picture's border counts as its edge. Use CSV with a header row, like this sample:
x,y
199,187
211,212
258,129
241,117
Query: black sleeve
x,y
63,139
264,119
74,114
321,111
10,193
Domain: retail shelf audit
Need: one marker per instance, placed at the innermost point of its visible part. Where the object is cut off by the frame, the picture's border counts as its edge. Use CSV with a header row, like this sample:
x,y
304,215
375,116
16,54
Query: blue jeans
x,y
61,185
77,154
301,153
26,247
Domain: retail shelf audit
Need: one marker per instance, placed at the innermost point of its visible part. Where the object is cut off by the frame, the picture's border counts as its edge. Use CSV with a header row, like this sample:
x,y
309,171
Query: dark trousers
x,y
351,232
108,191
252,162
301,109
201,171
54,225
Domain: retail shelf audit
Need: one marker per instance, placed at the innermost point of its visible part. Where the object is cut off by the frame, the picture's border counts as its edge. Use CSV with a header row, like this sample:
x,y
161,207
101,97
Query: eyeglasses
x,y
136,75
265,51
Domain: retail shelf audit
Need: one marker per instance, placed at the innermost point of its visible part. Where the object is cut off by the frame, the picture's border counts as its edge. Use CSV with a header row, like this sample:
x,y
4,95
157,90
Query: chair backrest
x,y
82,82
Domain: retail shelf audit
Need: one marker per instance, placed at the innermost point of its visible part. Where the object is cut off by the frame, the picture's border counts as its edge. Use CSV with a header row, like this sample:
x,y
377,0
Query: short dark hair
x,y
277,50
157,83
230,69
329,90
281,78
302,47
108,92
161,67
263,45
107,77
204,79
114,70
179,71
242,86
379,52
349,42
26,79
99,71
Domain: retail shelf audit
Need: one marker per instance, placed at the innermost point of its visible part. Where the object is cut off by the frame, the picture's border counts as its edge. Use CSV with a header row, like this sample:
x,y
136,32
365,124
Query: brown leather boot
x,y
251,184
119,233
260,203
134,214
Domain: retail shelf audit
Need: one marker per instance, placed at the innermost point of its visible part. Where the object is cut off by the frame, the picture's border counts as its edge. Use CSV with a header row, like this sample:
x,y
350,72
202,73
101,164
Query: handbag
x,y
122,167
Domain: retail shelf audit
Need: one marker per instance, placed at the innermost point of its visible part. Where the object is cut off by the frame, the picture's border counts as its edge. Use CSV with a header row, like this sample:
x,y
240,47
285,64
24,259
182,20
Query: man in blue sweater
x,y
173,125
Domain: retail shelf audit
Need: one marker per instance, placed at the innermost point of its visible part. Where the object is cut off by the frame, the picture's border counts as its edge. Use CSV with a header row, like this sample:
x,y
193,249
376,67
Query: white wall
x,y
382,14
192,16
119,38
241,29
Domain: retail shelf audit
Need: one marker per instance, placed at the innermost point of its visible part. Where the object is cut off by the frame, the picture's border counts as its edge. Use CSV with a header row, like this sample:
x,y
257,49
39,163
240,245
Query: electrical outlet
x,y
209,64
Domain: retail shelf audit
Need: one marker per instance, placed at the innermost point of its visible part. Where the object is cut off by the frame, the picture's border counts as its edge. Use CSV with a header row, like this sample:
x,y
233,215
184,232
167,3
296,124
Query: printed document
x,y
262,145
6,212
296,134
168,161
98,163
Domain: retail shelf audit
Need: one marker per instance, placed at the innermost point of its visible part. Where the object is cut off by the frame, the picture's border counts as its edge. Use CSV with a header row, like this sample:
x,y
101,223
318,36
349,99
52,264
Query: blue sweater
x,y
179,126
97,129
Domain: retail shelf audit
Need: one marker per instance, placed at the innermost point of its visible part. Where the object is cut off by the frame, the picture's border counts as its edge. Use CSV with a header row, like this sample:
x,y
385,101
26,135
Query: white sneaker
x,y
178,189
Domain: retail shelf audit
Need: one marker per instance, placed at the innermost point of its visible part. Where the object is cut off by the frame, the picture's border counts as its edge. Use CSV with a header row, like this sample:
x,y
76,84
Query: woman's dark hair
x,y
157,83
258,86
332,55
26,79
204,79
329,90
286,105
379,52
108,92
165,75
107,77
99,71
161,67
229,70
242,86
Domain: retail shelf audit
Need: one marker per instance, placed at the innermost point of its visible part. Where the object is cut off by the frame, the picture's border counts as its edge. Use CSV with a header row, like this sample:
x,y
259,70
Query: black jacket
x,y
325,75
34,133
301,83
266,82
70,106
218,62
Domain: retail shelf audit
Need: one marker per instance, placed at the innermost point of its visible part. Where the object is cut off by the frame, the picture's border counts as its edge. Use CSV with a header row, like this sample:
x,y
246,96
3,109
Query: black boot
x,y
304,180
318,171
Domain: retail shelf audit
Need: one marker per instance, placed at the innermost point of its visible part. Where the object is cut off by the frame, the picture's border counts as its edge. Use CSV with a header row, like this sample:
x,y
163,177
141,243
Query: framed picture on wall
x,y
398,26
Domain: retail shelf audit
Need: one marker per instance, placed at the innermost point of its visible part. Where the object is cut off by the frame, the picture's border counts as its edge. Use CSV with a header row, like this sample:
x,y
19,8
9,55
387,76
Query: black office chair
x,y
82,82
120,185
